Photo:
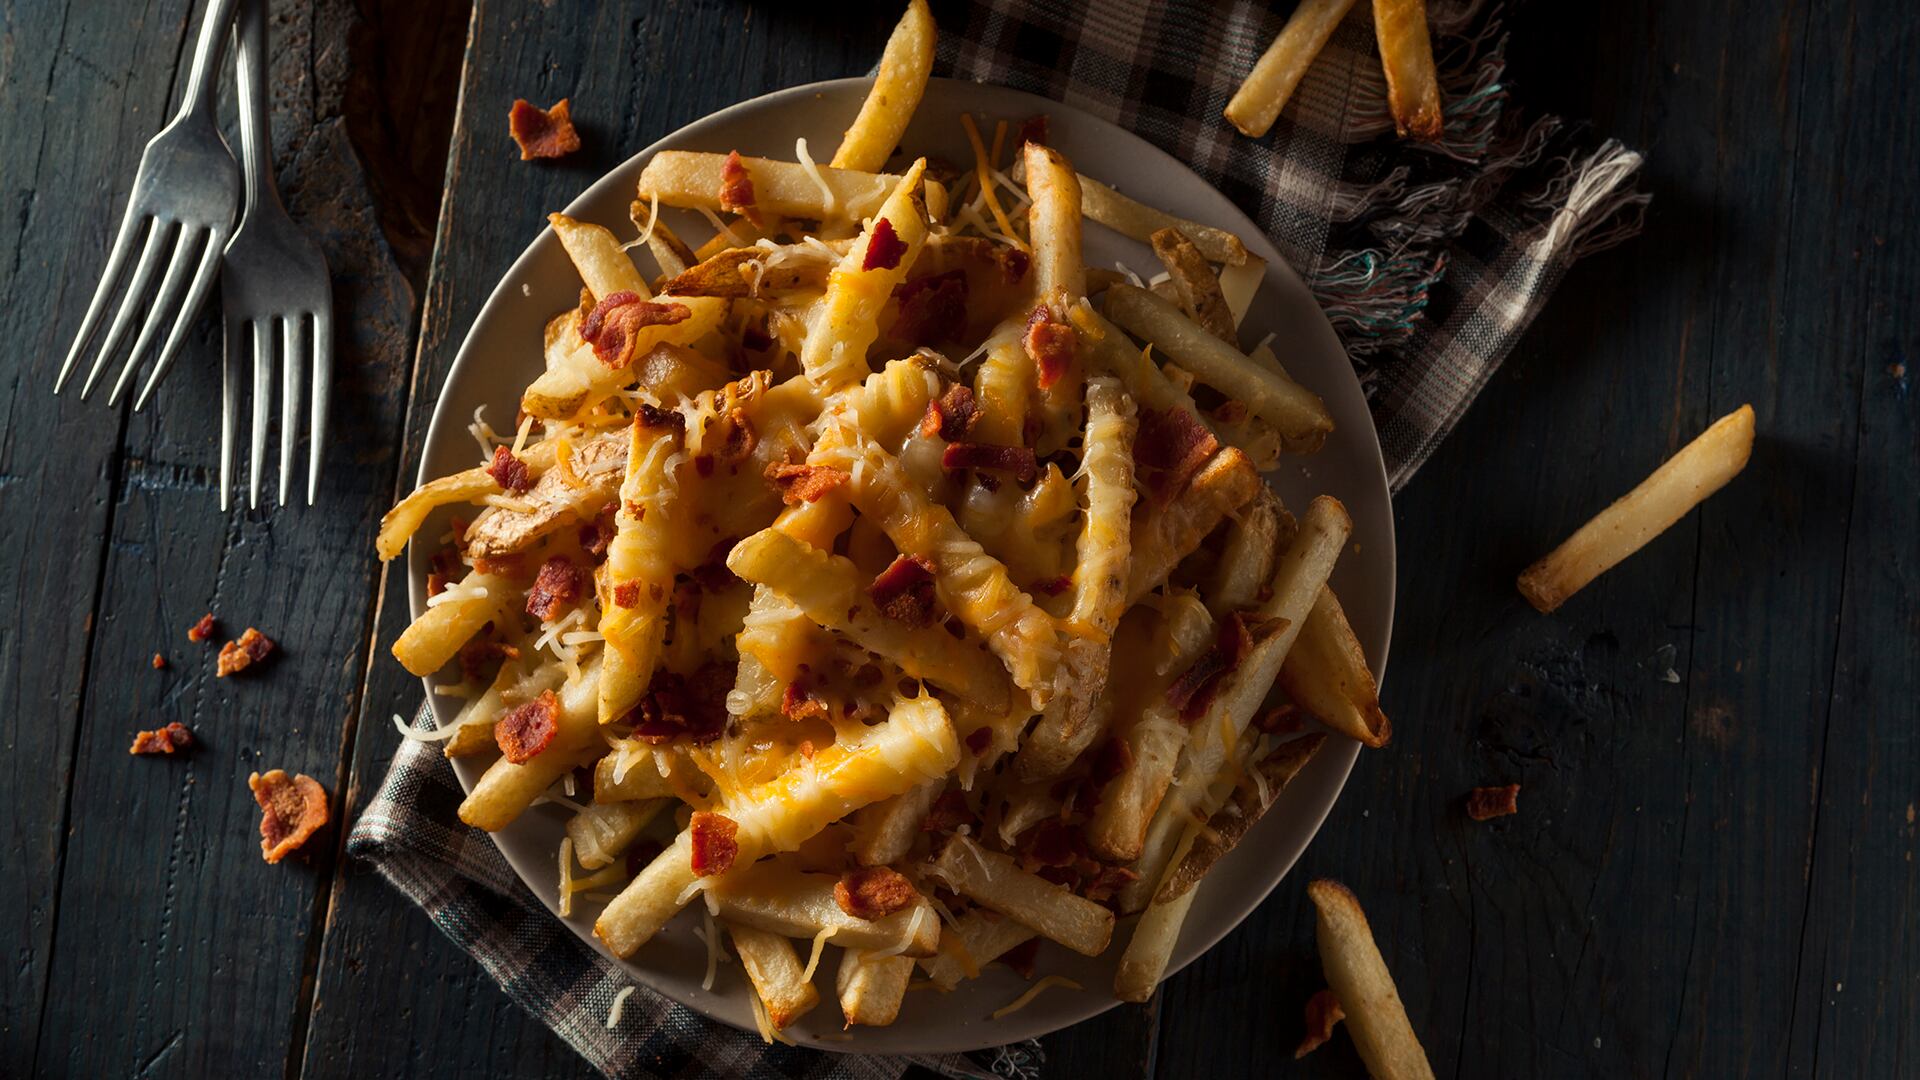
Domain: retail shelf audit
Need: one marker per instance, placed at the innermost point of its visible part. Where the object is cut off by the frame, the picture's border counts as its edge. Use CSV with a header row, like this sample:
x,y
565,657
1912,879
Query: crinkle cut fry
x,y
847,320
639,568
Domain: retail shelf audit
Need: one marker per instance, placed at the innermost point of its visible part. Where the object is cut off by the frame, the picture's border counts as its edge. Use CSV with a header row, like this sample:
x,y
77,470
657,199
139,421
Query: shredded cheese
x,y
566,876
653,217
457,593
1032,992
721,227
984,171
907,939
830,204
619,1006
408,731
813,958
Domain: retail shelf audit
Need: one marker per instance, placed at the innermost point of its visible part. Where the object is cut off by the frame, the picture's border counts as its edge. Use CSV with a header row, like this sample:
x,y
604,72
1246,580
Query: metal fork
x,y
273,277
186,191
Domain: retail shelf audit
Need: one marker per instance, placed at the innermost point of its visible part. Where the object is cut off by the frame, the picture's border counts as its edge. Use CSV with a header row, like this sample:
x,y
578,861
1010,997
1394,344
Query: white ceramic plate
x,y
502,354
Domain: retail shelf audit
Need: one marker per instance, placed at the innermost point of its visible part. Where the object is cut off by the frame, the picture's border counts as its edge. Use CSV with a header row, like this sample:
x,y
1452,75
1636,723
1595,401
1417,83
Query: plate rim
x,y
1346,751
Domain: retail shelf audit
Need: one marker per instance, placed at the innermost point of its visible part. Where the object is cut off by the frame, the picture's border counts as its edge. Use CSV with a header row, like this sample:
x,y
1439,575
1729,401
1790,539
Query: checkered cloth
x,y
1429,260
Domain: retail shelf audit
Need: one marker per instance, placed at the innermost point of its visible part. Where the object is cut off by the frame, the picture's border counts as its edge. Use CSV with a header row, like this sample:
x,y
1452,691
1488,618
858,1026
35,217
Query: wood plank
x,y
177,951
59,72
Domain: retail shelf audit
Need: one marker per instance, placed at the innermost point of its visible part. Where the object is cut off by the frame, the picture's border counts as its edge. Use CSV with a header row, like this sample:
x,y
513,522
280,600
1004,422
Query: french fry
x,y
560,497
832,592
871,986
743,272
516,682
1298,413
639,570
1406,55
580,381
431,640
1326,674
1139,221
506,789
400,523
632,771
914,745
1195,284
1053,223
1252,798
775,971
597,256
973,941
847,322
691,180
777,896
669,251
1144,962
1263,528
1257,104
1358,975
1701,468
602,831
1164,535
902,79
994,880
884,832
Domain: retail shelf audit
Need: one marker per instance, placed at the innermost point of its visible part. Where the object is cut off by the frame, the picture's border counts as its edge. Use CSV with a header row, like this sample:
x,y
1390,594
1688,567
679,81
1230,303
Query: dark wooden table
x,y
1713,868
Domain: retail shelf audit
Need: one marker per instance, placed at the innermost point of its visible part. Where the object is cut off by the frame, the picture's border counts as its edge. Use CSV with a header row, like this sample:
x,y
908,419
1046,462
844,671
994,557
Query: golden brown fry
x,y
975,940
597,256
871,986
1162,536
741,272
1701,468
1406,55
1326,674
775,973
1257,104
779,896
1251,798
994,880
902,79
1358,975
1139,221
687,179
1195,284
1059,272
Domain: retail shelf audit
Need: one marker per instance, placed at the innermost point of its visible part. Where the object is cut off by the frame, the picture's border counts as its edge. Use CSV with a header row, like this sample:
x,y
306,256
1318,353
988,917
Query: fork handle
x,y
256,132
206,57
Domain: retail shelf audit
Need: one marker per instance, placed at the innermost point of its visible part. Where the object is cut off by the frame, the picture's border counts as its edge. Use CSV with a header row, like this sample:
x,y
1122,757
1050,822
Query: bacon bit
x,y
652,416
436,583
1014,264
804,483
291,810
510,472
797,703
509,566
1052,586
626,594
1169,449
613,326
166,740
1032,130
736,188
480,657
1192,693
1486,803
159,662
237,656
1114,757
755,338
1050,843
1052,343
543,133
948,812
904,590
1022,956
643,851
952,416
884,247
703,465
1018,460
737,440
556,586
714,846
694,708
529,729
979,739
1106,882
201,630
1323,1011
1281,720
597,535
873,892
713,575
932,309
1230,412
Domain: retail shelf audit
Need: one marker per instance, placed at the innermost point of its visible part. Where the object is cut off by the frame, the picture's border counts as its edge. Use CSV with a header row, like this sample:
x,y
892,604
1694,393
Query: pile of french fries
x,y
857,579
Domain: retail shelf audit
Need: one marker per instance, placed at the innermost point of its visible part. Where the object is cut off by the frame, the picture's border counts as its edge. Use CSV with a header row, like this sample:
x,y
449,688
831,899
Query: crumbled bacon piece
x,y
1105,882
436,583
873,892
1486,803
626,594
904,590
480,657
691,707
714,843
1018,460
652,416
510,472
1169,448
543,133
736,188
511,565
884,247
166,740
804,483
159,662
556,586
1052,586
948,812
613,326
292,808
237,656
713,575
1323,1011
1032,130
978,740
1192,693
597,535
1114,757
201,630
1014,264
952,416
933,309
1050,843
737,440
1022,956
528,729
1052,343
796,703
1231,412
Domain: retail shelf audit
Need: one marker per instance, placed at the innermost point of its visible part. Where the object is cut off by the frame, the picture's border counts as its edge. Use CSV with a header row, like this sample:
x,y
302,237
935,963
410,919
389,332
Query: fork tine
x,y
131,225
322,391
262,399
192,237
292,366
203,280
233,341
129,302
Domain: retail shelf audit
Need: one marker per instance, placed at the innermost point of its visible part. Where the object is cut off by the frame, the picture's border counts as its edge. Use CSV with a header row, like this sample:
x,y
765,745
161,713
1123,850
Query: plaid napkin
x,y
1430,260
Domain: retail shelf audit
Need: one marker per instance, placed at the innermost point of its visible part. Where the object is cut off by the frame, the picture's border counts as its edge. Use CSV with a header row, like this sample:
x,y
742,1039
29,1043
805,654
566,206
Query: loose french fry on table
x,y
1406,55
1257,104
1358,975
